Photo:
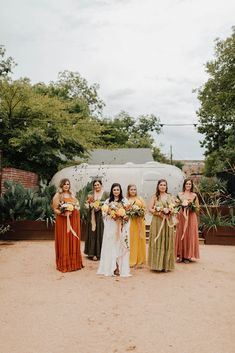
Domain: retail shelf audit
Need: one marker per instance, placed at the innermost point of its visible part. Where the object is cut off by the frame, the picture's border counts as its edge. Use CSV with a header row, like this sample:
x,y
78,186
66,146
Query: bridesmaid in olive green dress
x,y
93,242
161,236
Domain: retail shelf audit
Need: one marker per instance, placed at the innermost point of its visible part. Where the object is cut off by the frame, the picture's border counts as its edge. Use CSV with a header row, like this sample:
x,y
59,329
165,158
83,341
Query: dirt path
x,y
191,310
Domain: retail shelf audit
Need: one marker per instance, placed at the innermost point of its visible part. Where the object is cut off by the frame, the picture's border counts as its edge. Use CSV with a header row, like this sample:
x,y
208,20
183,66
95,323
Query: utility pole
x,y
171,155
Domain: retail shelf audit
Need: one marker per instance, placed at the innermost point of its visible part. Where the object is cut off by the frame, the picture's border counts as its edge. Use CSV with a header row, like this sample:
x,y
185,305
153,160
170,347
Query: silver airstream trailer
x,y
144,176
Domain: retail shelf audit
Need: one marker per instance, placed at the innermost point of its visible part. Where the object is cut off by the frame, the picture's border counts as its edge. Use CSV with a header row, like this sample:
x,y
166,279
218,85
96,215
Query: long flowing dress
x,y
94,238
161,251
187,228
67,246
137,238
115,250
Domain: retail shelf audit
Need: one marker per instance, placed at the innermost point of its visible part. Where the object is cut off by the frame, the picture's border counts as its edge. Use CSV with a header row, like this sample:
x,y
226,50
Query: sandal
x,y
116,272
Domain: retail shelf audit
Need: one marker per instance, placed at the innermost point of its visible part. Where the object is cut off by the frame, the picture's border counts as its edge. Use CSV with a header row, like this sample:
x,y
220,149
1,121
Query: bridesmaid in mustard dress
x,y
67,230
137,229
187,239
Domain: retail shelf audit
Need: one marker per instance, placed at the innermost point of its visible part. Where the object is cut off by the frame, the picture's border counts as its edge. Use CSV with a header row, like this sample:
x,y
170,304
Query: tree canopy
x,y
39,132
6,64
217,111
127,132
44,126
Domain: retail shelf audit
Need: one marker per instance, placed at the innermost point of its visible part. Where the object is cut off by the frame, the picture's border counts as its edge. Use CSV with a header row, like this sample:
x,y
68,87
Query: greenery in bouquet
x,y
137,209
68,206
167,209
186,204
92,203
117,210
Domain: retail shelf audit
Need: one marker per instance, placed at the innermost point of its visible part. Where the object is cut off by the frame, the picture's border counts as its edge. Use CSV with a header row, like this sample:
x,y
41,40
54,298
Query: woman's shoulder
x,y
124,200
105,195
57,196
140,198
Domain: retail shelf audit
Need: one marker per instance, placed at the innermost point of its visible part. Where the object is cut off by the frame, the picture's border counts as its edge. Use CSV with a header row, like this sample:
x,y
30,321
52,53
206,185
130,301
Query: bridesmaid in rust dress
x,y
67,229
187,239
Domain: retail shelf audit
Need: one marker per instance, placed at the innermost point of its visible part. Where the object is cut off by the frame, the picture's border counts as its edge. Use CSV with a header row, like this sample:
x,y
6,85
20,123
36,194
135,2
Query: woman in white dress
x,y
115,252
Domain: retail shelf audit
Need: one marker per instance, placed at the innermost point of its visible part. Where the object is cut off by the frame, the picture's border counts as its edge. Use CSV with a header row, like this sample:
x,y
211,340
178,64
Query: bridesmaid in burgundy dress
x,y
187,239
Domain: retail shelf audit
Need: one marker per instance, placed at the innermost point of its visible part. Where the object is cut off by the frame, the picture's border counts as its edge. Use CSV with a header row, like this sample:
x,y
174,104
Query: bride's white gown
x,y
114,250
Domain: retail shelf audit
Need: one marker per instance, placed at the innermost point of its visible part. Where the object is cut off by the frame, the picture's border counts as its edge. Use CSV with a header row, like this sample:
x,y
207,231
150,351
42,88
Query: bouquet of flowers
x,y
166,210
186,204
117,210
68,206
92,203
137,209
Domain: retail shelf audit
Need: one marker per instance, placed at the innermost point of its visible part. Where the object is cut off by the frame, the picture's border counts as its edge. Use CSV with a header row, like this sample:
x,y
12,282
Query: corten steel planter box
x,y
221,236
222,210
29,230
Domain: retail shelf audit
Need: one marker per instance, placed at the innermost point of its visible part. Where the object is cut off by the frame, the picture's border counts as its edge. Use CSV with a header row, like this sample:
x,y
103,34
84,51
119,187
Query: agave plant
x,y
13,203
19,203
213,221
82,197
4,228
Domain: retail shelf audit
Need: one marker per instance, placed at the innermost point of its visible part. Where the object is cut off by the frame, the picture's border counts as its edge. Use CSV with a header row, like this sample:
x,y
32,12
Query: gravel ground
x,y
190,310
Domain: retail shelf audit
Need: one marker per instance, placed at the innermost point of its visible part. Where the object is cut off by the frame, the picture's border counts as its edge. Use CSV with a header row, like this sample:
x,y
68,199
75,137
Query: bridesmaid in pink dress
x,y
187,240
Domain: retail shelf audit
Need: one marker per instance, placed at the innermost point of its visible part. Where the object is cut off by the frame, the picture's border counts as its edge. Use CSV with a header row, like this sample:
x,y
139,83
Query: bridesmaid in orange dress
x,y
67,230
187,239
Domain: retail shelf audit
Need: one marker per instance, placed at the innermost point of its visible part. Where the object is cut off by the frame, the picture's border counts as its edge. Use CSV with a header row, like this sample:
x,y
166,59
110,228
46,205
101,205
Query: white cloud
x,y
147,56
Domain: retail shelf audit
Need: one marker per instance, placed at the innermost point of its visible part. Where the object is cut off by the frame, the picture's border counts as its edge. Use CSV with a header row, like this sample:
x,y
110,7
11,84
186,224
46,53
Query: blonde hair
x,y
62,183
128,190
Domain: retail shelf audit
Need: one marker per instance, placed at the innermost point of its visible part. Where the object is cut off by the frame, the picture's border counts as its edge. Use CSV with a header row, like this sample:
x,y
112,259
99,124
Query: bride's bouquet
x,y
117,210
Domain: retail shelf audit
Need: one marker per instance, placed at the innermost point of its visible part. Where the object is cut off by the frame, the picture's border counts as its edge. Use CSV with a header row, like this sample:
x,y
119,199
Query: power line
x,y
74,122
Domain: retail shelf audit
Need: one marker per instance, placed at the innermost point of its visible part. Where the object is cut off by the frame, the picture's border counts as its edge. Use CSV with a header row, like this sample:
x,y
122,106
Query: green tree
x,y
6,64
72,87
158,156
126,131
39,132
217,110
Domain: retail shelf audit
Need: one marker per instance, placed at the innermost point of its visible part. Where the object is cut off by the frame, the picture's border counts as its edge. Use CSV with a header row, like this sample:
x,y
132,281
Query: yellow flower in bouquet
x,y
70,207
67,206
96,204
139,203
113,214
121,212
105,208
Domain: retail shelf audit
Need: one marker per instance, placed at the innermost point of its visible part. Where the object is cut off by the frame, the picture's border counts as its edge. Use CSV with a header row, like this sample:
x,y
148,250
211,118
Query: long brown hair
x,y
111,195
157,188
192,185
128,190
62,182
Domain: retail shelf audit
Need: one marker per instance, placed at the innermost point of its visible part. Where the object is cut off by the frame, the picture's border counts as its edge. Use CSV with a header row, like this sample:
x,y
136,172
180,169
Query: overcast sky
x,y
147,56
